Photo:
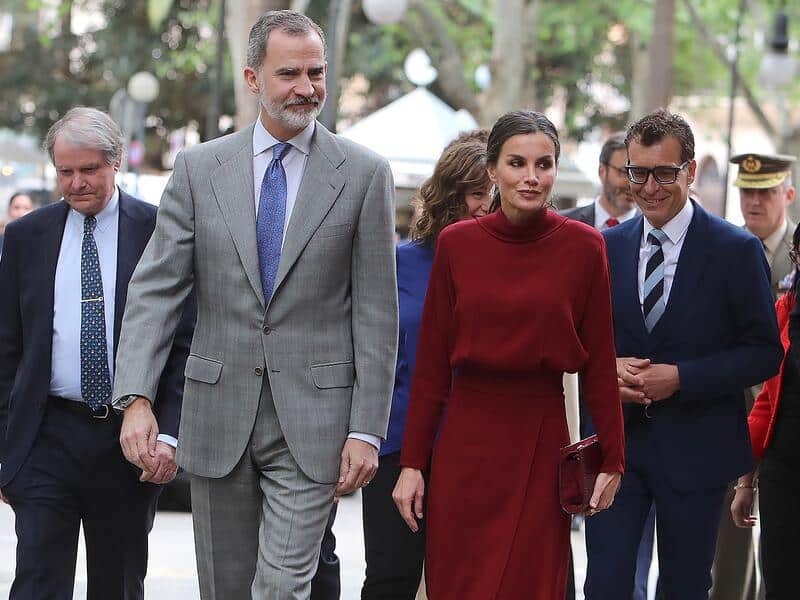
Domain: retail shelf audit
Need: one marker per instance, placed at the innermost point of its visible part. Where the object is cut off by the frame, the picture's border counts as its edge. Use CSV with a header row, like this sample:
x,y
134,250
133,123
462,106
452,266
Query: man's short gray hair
x,y
87,128
288,21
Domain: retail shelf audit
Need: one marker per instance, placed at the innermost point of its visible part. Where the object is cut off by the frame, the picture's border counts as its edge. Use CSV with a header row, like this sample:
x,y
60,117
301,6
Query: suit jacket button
x,y
259,371
267,329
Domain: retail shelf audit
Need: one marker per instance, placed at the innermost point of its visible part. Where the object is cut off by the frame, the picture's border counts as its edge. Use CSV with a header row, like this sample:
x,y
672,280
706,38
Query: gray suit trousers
x,y
258,529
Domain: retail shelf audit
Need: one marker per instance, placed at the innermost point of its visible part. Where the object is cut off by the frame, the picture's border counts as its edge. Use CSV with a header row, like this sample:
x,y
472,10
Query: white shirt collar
x,y
773,240
601,215
676,227
263,139
106,218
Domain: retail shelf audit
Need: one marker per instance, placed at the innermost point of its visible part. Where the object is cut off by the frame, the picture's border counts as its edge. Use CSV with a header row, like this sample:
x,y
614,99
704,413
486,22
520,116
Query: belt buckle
x,y
100,415
647,411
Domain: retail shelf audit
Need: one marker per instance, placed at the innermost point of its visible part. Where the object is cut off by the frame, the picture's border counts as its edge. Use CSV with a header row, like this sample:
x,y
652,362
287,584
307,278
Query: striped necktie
x,y
654,305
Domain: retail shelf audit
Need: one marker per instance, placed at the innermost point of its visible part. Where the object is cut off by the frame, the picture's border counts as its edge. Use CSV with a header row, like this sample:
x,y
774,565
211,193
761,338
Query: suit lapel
x,y
46,249
319,188
629,277
132,236
691,263
232,184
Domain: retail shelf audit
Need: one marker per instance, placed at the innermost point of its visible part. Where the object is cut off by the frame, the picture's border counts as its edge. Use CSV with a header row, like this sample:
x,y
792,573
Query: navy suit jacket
x,y
27,280
719,328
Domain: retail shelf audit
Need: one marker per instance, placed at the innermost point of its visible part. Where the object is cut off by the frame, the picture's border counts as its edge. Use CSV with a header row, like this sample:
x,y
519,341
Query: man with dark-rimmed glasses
x,y
694,325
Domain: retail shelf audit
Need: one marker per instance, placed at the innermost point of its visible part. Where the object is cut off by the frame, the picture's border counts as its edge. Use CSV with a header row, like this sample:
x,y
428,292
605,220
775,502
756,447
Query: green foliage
x,y
41,79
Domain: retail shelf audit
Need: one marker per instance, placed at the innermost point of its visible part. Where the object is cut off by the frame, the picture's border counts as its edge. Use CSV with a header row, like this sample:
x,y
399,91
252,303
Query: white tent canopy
x,y
412,131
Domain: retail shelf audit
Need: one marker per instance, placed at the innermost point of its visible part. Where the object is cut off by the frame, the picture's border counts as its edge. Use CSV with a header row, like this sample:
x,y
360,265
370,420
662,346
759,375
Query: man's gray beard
x,y
292,119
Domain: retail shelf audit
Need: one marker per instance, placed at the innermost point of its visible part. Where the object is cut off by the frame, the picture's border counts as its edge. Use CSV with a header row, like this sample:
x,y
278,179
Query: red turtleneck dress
x,y
508,310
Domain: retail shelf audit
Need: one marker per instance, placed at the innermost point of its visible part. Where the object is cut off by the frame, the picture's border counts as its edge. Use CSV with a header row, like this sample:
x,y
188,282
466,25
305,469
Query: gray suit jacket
x,y
328,338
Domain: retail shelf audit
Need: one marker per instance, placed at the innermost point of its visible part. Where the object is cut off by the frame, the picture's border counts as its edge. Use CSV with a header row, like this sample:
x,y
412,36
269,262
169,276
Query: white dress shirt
x,y
294,164
65,369
675,231
601,215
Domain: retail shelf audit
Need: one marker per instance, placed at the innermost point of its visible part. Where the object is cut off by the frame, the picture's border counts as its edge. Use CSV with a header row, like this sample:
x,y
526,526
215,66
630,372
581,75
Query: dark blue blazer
x,y
719,328
27,280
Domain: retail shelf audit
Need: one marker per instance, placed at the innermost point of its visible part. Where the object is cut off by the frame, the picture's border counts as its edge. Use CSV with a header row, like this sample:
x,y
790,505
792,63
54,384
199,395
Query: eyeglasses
x,y
662,174
620,170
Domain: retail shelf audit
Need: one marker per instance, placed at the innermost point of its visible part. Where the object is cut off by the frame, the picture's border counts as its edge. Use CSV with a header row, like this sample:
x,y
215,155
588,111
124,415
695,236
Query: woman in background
x,y
774,425
457,189
515,299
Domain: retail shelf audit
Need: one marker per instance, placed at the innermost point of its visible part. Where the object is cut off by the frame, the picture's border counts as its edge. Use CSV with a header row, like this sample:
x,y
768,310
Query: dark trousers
x,y
326,584
76,473
779,497
393,552
686,522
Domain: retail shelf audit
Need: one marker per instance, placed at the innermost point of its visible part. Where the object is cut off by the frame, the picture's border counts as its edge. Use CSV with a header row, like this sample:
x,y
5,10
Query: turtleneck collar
x,y
545,222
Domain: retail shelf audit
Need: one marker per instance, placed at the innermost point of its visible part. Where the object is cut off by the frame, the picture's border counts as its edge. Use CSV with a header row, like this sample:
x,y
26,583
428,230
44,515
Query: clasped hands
x,y
139,440
642,382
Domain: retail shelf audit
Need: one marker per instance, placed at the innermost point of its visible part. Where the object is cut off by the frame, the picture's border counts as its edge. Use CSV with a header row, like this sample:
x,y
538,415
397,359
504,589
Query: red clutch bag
x,y
578,467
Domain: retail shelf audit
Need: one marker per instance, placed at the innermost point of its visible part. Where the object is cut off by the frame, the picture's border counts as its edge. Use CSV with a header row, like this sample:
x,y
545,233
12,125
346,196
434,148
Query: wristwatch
x,y
120,404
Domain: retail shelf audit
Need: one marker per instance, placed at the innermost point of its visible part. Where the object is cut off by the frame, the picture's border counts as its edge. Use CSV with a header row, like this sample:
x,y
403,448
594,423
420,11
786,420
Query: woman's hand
x,y
742,505
408,494
605,488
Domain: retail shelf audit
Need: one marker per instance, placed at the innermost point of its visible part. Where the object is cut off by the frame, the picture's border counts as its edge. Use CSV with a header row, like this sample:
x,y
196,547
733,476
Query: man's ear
x,y
251,78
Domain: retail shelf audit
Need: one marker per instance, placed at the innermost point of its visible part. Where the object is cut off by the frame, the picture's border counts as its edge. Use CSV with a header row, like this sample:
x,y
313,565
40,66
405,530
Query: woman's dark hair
x,y
518,122
440,199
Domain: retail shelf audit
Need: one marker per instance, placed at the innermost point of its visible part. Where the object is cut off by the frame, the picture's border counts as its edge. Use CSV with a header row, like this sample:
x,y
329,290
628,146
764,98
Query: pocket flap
x,y
333,230
333,375
202,369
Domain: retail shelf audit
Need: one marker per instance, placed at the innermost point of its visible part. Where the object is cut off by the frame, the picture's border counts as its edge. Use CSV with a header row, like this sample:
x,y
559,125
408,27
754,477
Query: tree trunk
x,y
661,55
240,18
508,60
338,29
639,76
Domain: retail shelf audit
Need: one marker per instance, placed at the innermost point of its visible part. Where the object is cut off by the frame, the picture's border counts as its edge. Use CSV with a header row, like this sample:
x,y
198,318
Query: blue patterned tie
x,y
95,379
654,305
269,223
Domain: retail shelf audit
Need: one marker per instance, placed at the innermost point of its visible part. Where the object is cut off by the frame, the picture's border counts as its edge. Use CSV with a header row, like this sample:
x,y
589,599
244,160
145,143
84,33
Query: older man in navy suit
x,y
63,281
694,326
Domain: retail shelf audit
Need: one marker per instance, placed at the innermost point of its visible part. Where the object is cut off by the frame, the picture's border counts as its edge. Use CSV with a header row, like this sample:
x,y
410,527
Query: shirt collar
x,y
106,218
677,227
264,140
773,240
601,216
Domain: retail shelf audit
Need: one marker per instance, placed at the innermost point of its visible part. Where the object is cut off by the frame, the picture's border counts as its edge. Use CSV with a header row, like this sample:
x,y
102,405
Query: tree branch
x,y
720,53
446,57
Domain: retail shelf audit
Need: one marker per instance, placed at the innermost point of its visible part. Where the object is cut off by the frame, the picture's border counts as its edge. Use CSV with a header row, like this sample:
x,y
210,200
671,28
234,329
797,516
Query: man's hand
x,y
138,435
166,469
358,466
660,381
408,494
605,488
629,381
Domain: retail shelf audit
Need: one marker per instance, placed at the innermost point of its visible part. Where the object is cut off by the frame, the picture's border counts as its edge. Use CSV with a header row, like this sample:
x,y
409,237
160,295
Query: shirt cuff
x,y
167,439
373,440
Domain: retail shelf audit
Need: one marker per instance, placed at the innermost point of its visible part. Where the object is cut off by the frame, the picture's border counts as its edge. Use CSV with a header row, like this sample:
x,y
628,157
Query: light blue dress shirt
x,y
65,370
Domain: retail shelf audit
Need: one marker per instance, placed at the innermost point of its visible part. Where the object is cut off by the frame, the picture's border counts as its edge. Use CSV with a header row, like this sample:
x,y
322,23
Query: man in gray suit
x,y
285,232
765,193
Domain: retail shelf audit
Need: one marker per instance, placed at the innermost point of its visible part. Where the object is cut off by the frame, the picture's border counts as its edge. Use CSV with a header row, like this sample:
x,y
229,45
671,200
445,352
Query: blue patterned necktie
x,y
654,305
269,223
95,378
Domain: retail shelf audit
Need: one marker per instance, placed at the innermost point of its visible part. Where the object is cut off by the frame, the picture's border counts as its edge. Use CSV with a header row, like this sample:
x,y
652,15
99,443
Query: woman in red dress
x,y
515,299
